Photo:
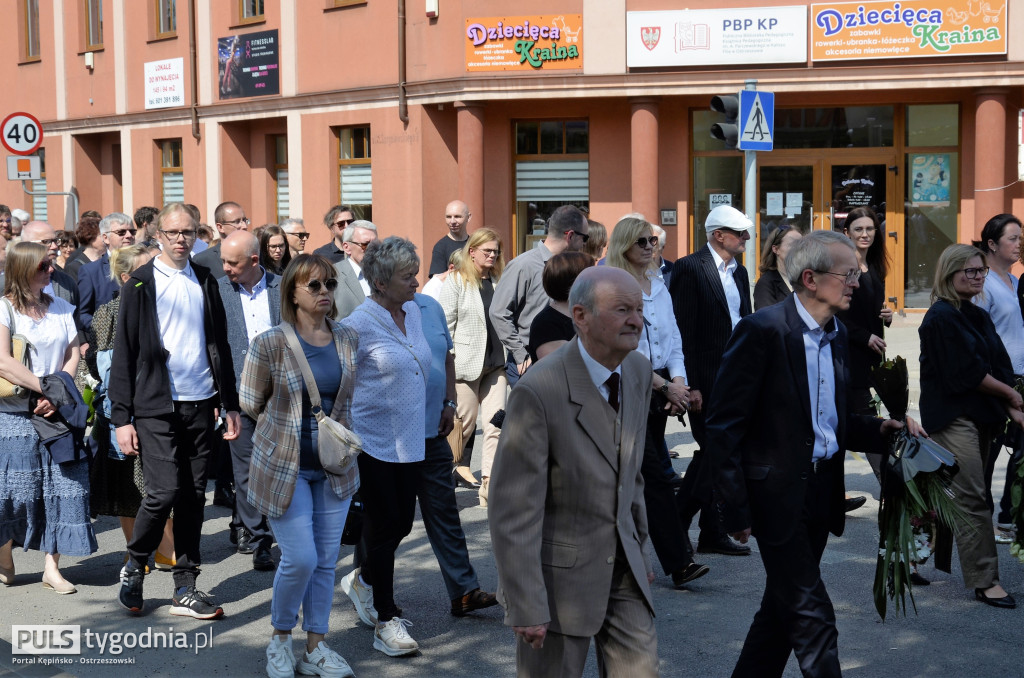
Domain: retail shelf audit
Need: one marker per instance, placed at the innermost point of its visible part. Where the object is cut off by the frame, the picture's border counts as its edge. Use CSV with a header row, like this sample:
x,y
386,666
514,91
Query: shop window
x,y
172,176
552,165
39,211
933,125
355,178
166,18
31,24
250,11
281,177
717,180
93,16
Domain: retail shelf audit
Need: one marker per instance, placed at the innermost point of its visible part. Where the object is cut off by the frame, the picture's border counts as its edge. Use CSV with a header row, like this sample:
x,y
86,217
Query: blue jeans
x,y
309,535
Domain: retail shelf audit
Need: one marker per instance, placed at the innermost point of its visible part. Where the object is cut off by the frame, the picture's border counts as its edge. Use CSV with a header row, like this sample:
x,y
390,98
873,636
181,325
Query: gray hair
x,y
289,221
584,293
660,232
349,232
811,253
384,258
115,218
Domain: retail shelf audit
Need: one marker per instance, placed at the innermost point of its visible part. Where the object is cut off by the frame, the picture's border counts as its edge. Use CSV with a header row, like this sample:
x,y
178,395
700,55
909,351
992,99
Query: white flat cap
x,y
725,216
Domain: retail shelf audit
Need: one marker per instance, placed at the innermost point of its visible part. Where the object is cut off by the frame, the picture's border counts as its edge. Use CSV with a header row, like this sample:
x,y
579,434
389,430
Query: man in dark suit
x,y
252,304
337,219
567,513
353,287
779,425
229,217
95,286
710,293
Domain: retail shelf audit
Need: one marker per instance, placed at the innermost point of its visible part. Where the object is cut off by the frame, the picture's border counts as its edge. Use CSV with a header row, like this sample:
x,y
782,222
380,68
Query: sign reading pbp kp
x,y
21,133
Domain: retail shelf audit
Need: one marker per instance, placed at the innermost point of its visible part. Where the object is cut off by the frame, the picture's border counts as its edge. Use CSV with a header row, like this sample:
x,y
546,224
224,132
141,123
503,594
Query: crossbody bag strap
x,y
300,357
399,340
10,315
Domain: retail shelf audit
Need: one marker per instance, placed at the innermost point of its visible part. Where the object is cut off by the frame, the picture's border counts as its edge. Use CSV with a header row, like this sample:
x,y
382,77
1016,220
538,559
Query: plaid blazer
x,y
271,392
467,323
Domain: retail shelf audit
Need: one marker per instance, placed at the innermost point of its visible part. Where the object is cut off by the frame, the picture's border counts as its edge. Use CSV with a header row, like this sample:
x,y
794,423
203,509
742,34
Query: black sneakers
x,y
194,603
130,595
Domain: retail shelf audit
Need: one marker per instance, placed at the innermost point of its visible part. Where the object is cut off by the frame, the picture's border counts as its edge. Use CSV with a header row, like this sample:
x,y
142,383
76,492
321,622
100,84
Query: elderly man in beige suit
x,y
567,514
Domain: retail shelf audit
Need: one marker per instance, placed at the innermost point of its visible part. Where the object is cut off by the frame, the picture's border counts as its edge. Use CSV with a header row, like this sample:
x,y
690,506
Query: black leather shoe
x,y
688,574
474,600
1006,601
225,497
261,559
244,541
918,580
725,547
463,478
854,503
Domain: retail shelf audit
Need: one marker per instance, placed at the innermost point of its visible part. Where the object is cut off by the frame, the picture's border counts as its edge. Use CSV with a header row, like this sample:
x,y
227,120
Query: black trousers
x,y
796,613
245,513
695,492
388,491
667,532
175,452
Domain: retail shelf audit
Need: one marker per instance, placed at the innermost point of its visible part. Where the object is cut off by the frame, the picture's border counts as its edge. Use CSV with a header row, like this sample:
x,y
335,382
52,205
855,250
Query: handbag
x,y
456,441
337,446
20,350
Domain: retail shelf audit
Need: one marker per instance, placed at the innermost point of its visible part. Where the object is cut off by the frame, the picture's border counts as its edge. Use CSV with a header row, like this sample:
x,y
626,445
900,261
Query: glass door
x,y
789,193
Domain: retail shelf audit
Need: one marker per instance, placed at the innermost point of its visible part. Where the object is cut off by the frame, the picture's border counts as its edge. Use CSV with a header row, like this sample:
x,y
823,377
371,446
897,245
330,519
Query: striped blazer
x,y
467,323
271,392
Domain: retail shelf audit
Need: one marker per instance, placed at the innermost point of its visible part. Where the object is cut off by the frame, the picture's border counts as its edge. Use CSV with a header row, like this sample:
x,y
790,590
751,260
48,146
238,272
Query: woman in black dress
x,y
553,326
773,286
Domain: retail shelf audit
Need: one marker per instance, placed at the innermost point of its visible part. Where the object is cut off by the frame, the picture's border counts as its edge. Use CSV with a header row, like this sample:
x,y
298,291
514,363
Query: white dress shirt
x,y
821,382
358,270
599,373
660,341
179,310
255,307
732,293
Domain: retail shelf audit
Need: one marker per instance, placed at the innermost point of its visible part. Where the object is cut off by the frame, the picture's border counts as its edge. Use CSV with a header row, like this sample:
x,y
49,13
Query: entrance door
x,y
815,192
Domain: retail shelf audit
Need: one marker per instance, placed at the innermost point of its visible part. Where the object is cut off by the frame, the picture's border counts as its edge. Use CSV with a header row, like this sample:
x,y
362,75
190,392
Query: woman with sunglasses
x,y
275,254
632,249
966,396
305,504
479,355
773,286
44,505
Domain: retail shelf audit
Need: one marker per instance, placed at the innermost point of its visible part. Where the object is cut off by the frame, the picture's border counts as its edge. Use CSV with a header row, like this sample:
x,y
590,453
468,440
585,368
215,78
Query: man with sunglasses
x,y
456,217
519,296
172,374
61,284
95,286
296,235
252,304
353,288
337,219
229,217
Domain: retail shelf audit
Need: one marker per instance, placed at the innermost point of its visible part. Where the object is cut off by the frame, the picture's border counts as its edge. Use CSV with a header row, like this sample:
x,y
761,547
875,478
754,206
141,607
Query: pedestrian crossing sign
x,y
757,115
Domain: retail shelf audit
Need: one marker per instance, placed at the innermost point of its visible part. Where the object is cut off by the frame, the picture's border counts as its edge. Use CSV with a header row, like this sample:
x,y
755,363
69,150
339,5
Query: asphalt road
x,y
700,630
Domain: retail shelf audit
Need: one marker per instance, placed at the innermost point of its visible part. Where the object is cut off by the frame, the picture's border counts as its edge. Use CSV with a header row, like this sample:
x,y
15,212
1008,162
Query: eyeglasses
x,y
300,236
237,221
362,245
46,242
276,247
340,223
314,286
173,235
491,253
44,265
121,231
5,221
848,278
644,243
583,236
973,273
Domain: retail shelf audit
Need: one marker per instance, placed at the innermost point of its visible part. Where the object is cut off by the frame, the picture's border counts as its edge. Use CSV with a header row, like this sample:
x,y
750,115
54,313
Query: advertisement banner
x,y
715,37
929,179
525,43
165,83
884,29
248,65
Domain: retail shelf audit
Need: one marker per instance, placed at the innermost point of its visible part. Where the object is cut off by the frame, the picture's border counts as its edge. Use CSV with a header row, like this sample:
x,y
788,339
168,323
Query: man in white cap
x,y
710,293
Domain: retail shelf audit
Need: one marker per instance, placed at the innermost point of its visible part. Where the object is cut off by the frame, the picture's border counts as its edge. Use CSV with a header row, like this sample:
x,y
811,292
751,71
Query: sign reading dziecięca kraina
x,y
883,29
525,43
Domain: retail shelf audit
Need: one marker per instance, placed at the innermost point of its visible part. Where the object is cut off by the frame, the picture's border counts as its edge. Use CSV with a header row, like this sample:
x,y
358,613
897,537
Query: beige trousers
x,y
485,396
975,539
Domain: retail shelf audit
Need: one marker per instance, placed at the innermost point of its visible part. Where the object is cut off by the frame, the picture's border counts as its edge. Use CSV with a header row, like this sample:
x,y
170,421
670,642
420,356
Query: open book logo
x,y
650,35
692,36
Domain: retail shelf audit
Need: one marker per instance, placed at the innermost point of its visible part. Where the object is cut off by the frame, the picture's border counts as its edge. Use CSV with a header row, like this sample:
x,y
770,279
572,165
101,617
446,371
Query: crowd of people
x,y
218,356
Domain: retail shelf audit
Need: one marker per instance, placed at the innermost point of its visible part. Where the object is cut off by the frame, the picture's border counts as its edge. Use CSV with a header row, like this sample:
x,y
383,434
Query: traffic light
x,y
727,131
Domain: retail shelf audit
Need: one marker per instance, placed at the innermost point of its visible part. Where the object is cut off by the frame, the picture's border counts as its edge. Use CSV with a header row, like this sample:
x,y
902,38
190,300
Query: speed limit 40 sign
x,y
21,133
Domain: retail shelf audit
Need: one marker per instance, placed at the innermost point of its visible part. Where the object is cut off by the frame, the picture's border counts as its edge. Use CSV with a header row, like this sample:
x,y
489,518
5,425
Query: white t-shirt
x,y
50,338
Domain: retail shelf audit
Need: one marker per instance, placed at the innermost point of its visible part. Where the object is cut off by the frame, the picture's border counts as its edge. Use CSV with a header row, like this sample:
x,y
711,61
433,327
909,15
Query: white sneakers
x,y
362,597
322,661
392,639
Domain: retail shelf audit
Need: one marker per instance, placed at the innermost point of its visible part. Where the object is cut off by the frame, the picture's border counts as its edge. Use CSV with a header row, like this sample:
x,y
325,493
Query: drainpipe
x,y
193,68
403,107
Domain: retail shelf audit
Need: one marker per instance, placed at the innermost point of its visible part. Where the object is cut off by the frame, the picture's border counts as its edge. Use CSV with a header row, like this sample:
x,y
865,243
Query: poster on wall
x,y
703,37
525,43
929,179
247,65
165,83
882,29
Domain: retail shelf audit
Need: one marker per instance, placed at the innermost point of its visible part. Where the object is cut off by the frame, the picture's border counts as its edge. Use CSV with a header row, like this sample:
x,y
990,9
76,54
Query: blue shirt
x,y
435,329
325,365
1002,305
821,382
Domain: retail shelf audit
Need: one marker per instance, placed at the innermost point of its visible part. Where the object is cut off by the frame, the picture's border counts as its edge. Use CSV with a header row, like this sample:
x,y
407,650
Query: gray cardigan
x,y
238,338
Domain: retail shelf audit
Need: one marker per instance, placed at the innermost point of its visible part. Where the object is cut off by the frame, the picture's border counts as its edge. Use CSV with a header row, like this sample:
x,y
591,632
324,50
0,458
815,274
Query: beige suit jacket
x,y
349,293
563,495
464,311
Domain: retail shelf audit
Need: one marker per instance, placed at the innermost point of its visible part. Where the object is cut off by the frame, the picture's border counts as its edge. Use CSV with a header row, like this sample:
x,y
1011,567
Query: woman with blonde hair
x,y
480,379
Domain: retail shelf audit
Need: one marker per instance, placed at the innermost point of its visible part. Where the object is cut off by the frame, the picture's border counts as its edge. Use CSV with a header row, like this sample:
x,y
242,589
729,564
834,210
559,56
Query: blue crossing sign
x,y
757,120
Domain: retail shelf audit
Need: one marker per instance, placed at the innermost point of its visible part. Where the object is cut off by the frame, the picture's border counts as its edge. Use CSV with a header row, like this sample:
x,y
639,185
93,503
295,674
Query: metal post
x,y
74,198
750,196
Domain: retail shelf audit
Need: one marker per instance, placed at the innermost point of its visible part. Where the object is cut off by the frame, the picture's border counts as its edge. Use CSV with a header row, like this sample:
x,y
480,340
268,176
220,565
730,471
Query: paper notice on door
x,y
773,204
795,202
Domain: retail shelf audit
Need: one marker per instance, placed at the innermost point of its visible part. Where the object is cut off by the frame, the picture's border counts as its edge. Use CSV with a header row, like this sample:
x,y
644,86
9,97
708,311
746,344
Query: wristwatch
x,y
452,404
664,388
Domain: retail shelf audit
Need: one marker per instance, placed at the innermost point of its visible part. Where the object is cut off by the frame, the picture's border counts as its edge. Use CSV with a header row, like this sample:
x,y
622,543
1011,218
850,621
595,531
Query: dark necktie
x,y
613,390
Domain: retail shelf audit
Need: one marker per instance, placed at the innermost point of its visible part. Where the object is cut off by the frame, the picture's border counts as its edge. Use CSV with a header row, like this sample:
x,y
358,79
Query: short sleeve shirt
x,y
50,338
